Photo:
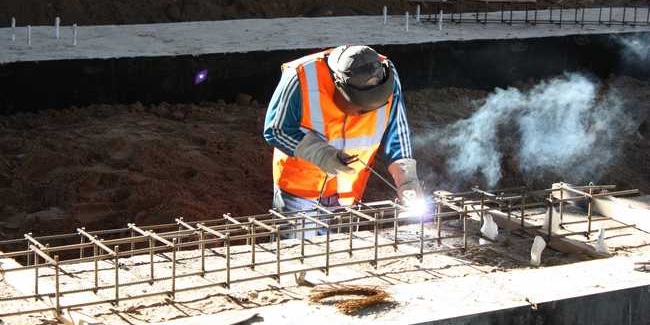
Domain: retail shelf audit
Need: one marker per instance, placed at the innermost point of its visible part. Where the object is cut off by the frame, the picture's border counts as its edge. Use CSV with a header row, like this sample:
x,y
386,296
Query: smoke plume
x,y
636,48
564,127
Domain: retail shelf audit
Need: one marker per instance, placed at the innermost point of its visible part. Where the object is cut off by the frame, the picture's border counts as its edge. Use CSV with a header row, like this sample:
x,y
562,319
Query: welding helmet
x,y
361,76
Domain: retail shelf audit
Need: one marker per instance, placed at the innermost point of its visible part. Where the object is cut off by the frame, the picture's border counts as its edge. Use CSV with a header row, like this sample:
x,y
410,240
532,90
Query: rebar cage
x,y
249,236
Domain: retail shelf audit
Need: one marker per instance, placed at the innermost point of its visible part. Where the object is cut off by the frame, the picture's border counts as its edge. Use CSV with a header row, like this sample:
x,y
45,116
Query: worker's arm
x,y
282,128
396,142
282,123
397,149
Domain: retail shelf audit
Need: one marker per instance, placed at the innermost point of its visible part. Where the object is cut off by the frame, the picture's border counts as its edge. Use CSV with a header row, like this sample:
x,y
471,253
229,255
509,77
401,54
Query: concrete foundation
x,y
473,56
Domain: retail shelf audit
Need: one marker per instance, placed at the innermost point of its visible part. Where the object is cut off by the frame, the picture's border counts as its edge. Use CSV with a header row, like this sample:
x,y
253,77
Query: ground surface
x,y
106,12
251,35
103,166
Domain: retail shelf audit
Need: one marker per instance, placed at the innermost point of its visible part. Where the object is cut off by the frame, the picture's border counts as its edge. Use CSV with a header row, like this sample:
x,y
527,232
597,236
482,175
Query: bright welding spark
x,y
416,208
200,76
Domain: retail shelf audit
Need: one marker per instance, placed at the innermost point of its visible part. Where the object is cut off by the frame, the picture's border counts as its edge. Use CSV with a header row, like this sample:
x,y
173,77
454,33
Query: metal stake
x,y
36,262
561,206
152,244
610,16
202,248
509,213
81,243
376,242
227,243
96,271
395,226
252,233
439,221
464,215
550,215
29,257
116,249
13,29
523,208
550,16
302,240
277,253
132,242
421,239
174,250
74,34
589,212
327,252
350,237
482,207
57,292
600,14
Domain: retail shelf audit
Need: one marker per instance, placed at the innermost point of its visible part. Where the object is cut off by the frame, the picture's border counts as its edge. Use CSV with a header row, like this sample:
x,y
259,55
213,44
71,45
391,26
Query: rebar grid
x,y
505,12
227,231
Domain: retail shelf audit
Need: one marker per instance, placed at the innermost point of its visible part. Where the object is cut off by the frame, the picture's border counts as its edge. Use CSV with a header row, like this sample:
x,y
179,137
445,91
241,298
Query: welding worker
x,y
329,110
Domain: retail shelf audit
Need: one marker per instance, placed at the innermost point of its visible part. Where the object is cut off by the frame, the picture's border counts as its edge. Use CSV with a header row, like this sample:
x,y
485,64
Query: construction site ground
x,y
103,166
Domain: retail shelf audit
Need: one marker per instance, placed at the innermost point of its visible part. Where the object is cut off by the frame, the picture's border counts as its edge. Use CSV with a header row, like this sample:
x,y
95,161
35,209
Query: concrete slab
x,y
634,211
248,35
520,296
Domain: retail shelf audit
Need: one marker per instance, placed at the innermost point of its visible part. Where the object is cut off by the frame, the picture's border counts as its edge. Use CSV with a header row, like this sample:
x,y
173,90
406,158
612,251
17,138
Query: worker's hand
x,y
329,159
410,193
405,175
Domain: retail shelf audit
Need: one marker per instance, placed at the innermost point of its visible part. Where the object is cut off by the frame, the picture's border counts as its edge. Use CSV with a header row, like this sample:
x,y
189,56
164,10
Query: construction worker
x,y
329,110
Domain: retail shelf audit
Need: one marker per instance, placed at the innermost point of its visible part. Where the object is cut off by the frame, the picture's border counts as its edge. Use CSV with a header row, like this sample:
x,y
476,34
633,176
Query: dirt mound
x,y
102,166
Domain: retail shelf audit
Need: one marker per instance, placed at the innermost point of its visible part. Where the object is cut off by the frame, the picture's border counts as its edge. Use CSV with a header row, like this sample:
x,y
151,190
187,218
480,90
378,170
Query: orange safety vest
x,y
356,135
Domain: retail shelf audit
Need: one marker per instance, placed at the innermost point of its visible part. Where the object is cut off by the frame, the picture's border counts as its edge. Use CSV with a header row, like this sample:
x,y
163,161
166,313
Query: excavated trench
x,y
99,143
476,64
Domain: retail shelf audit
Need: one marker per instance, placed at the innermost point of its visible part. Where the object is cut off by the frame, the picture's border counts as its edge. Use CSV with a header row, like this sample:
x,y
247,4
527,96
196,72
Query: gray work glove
x,y
329,159
405,175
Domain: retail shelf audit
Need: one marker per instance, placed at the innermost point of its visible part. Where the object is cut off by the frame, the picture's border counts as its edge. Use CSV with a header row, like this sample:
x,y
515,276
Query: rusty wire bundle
x,y
373,295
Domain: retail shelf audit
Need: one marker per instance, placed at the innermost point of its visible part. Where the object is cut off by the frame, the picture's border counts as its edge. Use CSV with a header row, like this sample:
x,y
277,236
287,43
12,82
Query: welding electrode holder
x,y
346,159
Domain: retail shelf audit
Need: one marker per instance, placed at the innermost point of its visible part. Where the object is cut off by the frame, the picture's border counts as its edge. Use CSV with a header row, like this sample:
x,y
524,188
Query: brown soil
x,y
102,12
103,166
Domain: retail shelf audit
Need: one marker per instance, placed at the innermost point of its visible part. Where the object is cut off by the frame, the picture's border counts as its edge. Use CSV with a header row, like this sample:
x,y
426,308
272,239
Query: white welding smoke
x,y
636,47
563,126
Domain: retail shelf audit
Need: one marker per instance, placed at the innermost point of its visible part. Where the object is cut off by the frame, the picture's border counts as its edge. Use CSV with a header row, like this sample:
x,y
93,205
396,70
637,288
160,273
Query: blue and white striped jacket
x,y
282,123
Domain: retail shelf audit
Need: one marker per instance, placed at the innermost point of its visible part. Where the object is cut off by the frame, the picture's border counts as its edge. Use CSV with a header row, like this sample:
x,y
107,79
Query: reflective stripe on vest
x,y
357,135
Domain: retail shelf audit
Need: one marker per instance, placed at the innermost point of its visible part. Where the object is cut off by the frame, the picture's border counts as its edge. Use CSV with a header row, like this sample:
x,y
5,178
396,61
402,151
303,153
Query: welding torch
x,y
347,160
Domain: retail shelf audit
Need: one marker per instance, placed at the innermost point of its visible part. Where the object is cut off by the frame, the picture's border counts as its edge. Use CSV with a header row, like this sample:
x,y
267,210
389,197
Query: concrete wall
x,y
628,306
32,86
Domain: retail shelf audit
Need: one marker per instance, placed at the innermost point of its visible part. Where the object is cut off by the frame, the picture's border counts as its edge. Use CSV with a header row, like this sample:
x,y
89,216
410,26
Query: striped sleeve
x,y
397,137
282,122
